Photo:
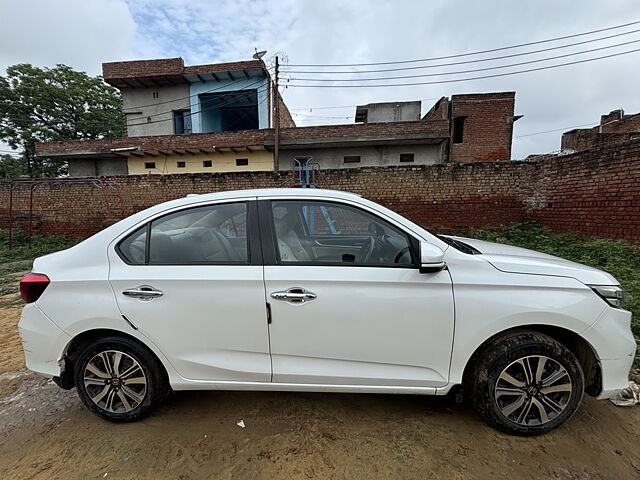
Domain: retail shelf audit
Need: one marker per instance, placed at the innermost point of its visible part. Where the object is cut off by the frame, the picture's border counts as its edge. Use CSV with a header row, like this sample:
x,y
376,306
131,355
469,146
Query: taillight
x,y
32,285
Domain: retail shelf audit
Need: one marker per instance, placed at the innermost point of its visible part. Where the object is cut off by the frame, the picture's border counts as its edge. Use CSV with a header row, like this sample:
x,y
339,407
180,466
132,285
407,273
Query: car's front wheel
x,y
119,380
526,384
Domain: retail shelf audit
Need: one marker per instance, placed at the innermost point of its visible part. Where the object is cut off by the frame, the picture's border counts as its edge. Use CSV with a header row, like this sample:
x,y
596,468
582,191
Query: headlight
x,y
612,294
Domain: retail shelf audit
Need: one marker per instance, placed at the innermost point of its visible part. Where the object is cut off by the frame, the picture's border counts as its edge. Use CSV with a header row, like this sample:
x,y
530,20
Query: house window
x,y
352,159
182,121
156,95
406,157
241,162
206,163
181,164
458,129
149,165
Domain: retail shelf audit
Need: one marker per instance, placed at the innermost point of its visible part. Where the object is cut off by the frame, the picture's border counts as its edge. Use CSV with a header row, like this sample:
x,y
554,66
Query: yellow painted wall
x,y
259,160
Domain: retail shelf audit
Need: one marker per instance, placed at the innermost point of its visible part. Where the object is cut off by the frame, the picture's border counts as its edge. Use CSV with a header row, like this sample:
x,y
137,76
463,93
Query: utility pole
x,y
276,162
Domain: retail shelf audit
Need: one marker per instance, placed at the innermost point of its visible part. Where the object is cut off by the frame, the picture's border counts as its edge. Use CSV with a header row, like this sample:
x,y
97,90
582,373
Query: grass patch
x,y
14,262
40,245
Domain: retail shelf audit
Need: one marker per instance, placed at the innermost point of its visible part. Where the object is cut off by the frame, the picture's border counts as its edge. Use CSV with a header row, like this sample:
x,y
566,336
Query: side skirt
x,y
301,387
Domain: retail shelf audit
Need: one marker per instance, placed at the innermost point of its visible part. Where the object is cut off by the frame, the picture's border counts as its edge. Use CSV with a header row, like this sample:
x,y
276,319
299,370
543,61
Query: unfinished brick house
x,y
615,127
221,118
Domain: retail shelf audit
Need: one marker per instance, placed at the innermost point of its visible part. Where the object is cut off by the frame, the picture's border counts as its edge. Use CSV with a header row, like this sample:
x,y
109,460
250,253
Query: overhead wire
x,y
496,67
457,80
479,52
556,130
320,116
285,70
348,106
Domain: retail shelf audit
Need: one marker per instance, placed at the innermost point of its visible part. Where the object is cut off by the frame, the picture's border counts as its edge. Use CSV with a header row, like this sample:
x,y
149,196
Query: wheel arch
x,y
577,344
79,342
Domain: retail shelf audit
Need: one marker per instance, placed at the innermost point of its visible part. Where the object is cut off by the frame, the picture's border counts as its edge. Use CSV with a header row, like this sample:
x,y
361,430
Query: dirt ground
x,y
46,433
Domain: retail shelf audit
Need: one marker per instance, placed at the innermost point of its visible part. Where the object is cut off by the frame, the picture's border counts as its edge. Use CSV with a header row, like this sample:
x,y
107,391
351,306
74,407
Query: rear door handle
x,y
294,295
143,292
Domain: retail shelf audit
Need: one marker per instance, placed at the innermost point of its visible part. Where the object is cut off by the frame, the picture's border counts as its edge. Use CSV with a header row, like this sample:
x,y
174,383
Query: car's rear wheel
x,y
119,380
527,384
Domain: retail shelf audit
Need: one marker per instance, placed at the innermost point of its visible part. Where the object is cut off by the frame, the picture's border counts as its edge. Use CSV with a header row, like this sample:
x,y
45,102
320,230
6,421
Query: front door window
x,y
326,233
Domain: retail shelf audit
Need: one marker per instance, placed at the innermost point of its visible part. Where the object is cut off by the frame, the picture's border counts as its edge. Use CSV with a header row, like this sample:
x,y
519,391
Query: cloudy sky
x,y
84,33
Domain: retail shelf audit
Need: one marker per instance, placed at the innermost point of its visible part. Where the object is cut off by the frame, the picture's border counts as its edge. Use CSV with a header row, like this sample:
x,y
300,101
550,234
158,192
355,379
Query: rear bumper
x,y
43,342
615,348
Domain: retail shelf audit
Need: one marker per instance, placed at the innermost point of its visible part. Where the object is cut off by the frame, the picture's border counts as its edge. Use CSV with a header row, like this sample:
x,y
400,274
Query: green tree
x,y
48,104
11,166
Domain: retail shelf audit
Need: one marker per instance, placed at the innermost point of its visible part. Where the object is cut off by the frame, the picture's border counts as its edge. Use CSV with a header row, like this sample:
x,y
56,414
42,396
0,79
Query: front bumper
x,y
43,342
615,347
615,376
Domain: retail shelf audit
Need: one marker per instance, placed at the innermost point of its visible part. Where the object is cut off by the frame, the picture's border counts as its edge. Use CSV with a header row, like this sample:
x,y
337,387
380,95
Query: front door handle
x,y
294,295
143,292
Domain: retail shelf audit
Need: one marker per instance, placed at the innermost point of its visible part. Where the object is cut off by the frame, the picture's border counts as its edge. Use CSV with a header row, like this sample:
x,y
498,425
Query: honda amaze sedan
x,y
319,290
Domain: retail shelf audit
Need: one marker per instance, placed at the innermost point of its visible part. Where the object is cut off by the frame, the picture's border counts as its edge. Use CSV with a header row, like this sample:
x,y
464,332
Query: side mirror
x,y
431,258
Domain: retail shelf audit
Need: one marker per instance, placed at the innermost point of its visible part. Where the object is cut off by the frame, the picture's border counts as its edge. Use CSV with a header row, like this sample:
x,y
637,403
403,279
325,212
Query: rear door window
x,y
208,235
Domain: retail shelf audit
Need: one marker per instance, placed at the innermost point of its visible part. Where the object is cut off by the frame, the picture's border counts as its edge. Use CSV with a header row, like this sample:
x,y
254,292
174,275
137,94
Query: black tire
x,y
150,394
493,382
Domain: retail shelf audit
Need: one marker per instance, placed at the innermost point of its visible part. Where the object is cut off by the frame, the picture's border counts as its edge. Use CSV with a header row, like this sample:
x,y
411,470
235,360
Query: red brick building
x,y
481,125
615,127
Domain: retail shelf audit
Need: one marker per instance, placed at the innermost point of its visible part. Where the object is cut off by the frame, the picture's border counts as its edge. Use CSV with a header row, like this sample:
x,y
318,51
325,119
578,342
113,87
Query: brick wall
x,y
286,120
135,68
596,192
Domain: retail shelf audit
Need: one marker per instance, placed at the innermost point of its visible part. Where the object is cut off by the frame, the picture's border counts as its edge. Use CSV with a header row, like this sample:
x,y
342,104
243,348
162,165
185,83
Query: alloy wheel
x,y
533,390
115,381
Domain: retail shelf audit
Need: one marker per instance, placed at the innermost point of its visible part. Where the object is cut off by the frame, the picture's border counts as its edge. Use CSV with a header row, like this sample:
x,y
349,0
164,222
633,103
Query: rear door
x,y
348,303
192,282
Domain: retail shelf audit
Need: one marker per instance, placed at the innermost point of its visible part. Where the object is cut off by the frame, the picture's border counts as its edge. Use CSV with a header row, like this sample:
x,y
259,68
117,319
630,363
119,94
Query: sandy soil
x,y
46,433
11,354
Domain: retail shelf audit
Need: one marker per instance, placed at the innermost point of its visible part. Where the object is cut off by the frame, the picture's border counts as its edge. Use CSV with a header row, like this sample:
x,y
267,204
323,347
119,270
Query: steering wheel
x,y
368,250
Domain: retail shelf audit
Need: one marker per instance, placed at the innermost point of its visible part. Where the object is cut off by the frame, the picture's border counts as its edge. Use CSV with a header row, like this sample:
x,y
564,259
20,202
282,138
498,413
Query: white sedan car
x,y
319,290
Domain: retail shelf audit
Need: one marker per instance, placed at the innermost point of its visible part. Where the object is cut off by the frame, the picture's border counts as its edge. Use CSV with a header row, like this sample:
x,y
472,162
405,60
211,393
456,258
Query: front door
x,y
348,304
192,282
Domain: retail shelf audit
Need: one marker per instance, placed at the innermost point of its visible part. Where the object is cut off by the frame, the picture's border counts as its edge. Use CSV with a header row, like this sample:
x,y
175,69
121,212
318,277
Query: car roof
x,y
259,192
268,192
193,199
